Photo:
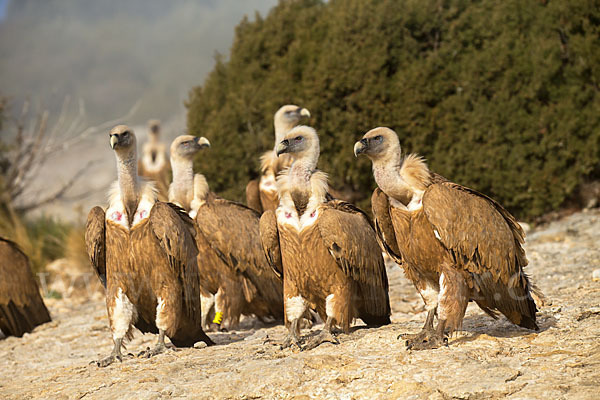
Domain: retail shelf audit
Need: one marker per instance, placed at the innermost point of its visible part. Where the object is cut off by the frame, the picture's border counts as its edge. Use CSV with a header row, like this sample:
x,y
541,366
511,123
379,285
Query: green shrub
x,y
503,96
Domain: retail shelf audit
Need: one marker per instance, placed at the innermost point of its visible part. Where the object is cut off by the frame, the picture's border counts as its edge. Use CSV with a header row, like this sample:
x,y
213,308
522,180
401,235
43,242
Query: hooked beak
x,y
202,142
113,141
360,147
305,113
282,147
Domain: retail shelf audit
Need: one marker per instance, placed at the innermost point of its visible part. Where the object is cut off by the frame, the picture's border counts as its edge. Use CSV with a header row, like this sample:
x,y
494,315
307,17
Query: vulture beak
x,y
282,147
360,147
114,139
202,142
305,113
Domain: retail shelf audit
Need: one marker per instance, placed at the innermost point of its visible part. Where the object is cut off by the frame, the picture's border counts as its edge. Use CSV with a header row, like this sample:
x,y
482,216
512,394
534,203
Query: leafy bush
x,y
499,96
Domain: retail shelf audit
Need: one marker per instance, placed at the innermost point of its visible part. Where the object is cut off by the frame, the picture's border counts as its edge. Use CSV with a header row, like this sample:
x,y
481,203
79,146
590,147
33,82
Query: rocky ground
x,y
489,359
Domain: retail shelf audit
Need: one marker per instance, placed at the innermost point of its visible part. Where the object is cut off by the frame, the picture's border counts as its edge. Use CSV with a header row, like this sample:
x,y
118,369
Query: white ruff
x,y
329,304
287,215
123,315
206,303
160,318
397,204
430,297
416,203
267,183
294,307
116,211
154,167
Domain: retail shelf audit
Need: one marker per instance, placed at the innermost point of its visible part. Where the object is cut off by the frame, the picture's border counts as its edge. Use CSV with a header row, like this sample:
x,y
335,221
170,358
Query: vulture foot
x,y
105,362
291,340
322,337
426,340
156,350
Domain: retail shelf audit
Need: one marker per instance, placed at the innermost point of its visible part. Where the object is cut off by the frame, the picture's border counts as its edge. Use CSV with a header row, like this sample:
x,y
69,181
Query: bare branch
x,y
59,194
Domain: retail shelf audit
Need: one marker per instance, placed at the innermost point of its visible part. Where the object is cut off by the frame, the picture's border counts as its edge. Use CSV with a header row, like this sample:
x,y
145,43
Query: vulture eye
x,y
378,138
125,133
298,138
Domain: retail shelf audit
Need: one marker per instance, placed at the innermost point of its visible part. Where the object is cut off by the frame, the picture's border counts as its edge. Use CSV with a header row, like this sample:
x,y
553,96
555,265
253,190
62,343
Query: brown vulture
x,y
144,251
154,164
21,306
261,193
456,245
230,259
326,251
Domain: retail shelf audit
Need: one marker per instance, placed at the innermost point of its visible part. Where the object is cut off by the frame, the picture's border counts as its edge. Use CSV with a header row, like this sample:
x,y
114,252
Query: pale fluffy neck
x,y
181,190
153,138
387,173
128,181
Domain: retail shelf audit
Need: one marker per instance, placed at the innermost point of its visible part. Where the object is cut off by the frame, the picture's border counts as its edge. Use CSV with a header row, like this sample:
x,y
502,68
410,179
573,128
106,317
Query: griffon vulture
x,y
154,164
230,259
454,243
144,252
261,193
21,306
326,251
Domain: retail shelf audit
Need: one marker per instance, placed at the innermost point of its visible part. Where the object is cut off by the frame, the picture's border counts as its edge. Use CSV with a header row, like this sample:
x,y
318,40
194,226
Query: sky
x,y
105,56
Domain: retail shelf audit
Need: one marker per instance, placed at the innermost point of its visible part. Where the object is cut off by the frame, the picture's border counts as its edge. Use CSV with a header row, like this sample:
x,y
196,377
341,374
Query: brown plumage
x,y
230,254
454,243
144,252
261,193
21,306
325,250
154,164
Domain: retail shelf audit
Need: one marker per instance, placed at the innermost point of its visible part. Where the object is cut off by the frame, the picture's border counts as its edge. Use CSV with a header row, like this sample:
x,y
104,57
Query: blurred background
x,y
503,96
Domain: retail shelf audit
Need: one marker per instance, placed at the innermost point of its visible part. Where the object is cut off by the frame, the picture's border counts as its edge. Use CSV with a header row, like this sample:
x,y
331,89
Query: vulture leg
x,y
427,331
160,347
292,338
114,356
325,335
207,306
220,306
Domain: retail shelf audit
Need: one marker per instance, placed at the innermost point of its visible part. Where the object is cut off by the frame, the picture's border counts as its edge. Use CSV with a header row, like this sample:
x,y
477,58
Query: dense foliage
x,y
501,96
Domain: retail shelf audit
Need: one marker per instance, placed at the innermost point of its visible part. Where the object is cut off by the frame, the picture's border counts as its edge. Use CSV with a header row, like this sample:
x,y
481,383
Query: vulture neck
x,y
299,176
129,186
183,182
387,171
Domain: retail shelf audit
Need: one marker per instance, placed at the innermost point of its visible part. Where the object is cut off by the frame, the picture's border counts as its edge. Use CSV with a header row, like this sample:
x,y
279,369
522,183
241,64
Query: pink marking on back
x,y
116,216
312,214
288,214
143,214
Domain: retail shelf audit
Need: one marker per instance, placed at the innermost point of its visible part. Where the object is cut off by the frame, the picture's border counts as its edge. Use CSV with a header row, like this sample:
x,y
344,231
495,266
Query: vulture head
x,y
185,147
286,118
302,141
154,128
378,144
122,139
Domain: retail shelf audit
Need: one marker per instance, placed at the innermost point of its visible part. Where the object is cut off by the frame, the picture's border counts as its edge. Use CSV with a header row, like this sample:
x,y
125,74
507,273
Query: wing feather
x,y
269,237
253,195
174,230
232,229
477,229
95,241
348,234
384,227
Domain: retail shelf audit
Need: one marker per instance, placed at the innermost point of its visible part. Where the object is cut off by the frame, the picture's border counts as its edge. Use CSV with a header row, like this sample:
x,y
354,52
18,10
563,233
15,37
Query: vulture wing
x,y
269,237
386,237
96,243
253,195
21,306
175,232
232,230
487,241
347,233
